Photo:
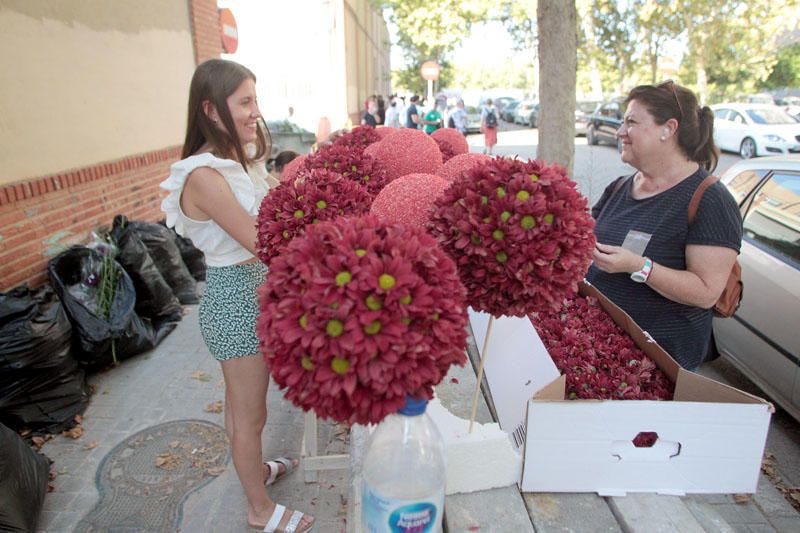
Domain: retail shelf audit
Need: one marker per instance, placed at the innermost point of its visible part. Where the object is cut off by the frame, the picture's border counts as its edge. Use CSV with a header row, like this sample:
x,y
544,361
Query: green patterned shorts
x,y
229,309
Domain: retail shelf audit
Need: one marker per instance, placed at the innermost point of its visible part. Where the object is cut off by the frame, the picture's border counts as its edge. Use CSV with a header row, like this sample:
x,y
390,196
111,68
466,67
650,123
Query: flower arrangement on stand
x,y
599,360
520,234
409,199
356,314
313,196
359,138
407,151
351,163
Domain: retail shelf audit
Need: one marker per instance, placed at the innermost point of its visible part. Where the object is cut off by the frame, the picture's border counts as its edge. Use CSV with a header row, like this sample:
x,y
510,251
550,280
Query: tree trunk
x,y
558,41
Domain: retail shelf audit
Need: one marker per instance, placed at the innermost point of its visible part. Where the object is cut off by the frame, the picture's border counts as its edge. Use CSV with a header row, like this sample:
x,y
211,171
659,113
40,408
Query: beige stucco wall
x,y
367,50
86,81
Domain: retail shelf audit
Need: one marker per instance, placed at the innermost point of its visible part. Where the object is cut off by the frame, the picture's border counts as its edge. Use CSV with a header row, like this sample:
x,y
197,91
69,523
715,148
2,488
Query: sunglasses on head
x,y
670,86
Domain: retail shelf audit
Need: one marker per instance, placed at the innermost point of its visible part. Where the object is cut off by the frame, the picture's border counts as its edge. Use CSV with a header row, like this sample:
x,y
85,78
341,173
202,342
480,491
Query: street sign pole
x,y
430,92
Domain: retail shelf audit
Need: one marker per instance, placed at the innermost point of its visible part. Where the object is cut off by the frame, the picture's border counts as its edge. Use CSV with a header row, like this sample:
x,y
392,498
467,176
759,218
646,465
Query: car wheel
x,y
748,148
591,138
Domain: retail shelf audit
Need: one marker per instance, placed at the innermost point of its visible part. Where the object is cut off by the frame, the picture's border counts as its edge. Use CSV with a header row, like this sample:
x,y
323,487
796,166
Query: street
x,y
595,167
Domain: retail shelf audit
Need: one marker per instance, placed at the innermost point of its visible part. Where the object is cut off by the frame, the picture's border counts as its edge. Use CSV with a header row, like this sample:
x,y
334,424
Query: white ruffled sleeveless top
x,y
218,246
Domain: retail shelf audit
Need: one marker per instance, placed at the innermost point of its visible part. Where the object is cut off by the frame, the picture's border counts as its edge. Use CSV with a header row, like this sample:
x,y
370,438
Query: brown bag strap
x,y
694,203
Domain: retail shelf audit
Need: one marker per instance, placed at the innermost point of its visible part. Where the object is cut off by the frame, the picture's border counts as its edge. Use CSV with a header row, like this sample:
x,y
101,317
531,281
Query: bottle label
x,y
383,514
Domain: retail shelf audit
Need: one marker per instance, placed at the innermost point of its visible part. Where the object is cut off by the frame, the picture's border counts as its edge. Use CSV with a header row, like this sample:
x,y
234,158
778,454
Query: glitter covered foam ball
x,y
458,164
356,314
351,163
409,199
520,233
384,132
453,137
407,151
313,196
292,167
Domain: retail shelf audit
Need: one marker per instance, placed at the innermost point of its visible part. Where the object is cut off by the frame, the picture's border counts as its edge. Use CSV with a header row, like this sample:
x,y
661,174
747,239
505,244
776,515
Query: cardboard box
x,y
711,437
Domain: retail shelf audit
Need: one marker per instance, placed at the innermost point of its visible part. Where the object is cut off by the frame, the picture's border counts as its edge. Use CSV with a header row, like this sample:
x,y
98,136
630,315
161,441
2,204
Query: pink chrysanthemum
x,y
314,196
359,137
599,360
407,151
409,199
351,163
293,167
454,138
460,164
519,232
356,314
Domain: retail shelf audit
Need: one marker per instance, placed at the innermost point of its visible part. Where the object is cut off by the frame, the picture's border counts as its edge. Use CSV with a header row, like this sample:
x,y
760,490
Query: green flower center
x,y
501,257
303,321
339,365
373,303
549,217
435,316
373,328
484,200
365,178
405,300
307,363
527,222
343,278
405,320
523,196
474,239
505,215
498,235
322,204
360,252
334,328
386,281
501,192
299,213
285,234
353,168
534,178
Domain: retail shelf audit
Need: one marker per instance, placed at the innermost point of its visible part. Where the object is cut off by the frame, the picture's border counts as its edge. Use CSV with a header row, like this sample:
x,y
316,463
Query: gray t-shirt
x,y
682,330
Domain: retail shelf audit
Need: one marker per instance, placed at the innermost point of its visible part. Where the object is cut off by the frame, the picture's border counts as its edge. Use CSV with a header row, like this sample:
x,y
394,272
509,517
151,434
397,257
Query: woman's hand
x,y
614,259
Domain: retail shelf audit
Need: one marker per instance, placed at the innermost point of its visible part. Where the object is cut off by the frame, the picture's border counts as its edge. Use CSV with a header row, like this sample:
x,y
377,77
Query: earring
x,y
663,138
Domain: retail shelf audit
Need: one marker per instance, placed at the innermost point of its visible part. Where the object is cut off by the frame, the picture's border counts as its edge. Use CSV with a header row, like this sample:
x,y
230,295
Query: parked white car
x,y
761,338
755,129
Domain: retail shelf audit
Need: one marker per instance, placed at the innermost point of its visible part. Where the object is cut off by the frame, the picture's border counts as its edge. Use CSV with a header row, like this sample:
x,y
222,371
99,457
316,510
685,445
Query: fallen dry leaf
x,y
201,376
78,419
38,442
174,444
215,407
473,528
168,461
74,433
216,471
741,498
91,446
24,432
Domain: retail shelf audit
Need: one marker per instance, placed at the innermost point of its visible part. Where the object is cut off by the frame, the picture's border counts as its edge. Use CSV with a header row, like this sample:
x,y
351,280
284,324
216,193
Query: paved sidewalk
x,y
158,386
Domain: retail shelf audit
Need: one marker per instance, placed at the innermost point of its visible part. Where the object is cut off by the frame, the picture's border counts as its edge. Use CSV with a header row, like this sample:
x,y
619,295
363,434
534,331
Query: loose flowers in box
x,y
356,314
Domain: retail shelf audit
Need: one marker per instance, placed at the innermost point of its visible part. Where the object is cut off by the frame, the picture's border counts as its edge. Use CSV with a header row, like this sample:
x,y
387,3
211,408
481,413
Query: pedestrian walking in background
x,y
369,116
214,195
489,126
380,115
392,114
432,121
663,271
458,116
413,119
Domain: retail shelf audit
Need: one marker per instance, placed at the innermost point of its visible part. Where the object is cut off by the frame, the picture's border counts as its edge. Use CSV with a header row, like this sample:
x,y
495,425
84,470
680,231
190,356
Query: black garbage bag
x,y
167,258
154,298
98,341
23,483
193,258
41,386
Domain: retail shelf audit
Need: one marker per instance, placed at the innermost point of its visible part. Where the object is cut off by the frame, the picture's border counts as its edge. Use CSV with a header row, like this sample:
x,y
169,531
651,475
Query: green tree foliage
x,y
519,18
657,21
786,72
615,33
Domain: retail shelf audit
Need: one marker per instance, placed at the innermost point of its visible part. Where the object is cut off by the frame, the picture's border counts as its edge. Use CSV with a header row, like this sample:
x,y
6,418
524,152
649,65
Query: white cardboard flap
x,y
517,367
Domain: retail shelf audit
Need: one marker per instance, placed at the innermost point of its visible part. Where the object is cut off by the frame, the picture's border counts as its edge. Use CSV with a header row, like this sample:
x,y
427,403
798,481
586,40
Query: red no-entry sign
x,y
430,70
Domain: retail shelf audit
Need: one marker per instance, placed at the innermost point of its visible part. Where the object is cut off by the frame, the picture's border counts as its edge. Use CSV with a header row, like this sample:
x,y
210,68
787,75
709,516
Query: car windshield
x,y
472,110
770,116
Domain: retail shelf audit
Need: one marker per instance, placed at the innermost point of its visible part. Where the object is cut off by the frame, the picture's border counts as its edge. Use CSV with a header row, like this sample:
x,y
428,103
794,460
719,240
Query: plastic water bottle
x,y
404,474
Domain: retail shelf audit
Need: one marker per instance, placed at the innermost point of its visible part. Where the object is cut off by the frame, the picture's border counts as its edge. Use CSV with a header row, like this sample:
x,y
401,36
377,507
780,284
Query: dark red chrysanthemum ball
x,y
359,137
520,233
351,163
409,199
356,314
313,196
446,149
407,151
461,163
292,167
454,138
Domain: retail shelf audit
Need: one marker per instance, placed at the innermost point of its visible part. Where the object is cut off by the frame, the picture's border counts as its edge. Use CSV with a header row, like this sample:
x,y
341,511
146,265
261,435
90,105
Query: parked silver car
x,y
763,338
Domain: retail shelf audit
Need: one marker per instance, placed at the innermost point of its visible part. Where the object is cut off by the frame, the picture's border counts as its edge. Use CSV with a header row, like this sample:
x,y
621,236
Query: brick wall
x,y
205,29
43,216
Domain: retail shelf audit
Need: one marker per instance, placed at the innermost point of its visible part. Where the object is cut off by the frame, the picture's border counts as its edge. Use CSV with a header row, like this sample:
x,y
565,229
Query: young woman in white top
x,y
215,193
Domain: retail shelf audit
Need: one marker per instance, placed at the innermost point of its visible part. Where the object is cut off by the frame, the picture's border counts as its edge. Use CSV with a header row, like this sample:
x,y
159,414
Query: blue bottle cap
x,y
413,406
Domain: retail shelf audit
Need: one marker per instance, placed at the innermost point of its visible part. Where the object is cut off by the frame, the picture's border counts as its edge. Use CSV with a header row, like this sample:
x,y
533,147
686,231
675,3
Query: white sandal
x,y
274,470
291,525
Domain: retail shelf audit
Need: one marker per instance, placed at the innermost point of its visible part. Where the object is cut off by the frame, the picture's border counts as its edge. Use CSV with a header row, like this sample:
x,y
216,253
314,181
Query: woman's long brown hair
x,y
214,81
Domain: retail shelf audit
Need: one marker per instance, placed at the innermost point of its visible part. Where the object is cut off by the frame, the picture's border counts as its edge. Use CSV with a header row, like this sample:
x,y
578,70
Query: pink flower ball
x,y
407,151
520,233
384,132
453,137
408,199
459,164
356,314
292,167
